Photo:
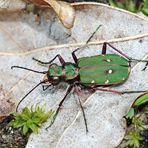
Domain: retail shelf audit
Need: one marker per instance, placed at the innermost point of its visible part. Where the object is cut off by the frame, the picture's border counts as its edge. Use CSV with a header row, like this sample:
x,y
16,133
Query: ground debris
x,y
7,106
9,137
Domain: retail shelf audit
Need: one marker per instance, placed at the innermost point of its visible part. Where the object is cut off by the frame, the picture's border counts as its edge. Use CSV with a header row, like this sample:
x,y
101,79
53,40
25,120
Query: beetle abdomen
x,y
106,69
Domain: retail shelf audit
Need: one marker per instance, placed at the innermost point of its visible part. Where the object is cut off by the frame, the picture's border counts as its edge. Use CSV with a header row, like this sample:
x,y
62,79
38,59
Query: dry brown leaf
x,y
12,5
104,111
6,105
65,11
39,3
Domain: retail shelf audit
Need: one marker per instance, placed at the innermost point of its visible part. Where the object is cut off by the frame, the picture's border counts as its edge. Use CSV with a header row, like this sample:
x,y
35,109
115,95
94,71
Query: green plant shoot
x,y
132,139
131,5
30,120
145,7
140,101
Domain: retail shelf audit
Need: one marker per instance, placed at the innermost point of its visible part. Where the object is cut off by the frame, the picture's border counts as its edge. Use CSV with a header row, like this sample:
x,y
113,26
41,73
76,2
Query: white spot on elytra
x,y
107,81
129,69
123,78
92,81
110,71
108,60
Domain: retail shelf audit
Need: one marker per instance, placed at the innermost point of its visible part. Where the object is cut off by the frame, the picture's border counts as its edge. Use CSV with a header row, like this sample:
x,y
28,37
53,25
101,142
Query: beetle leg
x,y
59,57
95,87
60,104
104,89
74,55
117,92
138,91
124,55
45,87
42,82
104,50
85,121
146,65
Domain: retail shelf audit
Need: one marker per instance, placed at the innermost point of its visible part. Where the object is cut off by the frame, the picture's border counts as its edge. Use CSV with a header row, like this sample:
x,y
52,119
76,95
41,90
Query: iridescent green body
x,y
102,69
68,72
87,72
108,69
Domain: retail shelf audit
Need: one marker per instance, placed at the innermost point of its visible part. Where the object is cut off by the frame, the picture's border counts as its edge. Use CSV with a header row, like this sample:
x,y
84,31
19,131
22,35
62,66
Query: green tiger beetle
x,y
140,103
87,72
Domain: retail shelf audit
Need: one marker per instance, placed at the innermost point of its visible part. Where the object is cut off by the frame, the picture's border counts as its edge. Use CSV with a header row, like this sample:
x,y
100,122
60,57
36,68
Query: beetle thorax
x,y
70,71
58,73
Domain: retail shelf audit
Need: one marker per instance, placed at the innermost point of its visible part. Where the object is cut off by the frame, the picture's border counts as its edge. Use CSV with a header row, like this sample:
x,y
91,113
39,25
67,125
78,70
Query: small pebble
x,y
3,136
10,128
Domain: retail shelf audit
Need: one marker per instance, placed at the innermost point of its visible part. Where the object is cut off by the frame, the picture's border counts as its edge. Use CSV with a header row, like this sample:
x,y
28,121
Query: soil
x,y
144,143
144,134
11,138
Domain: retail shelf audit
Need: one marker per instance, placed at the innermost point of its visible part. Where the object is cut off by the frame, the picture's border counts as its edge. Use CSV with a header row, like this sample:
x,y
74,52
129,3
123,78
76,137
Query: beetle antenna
x,y
29,93
146,65
85,121
93,34
42,72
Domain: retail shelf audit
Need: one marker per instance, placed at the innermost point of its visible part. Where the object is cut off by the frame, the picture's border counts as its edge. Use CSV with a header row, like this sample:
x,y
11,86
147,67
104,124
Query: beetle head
x,y
54,74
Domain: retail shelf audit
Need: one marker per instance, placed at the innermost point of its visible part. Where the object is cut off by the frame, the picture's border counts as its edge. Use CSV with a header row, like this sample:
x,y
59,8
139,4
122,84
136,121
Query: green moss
x,y
30,120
